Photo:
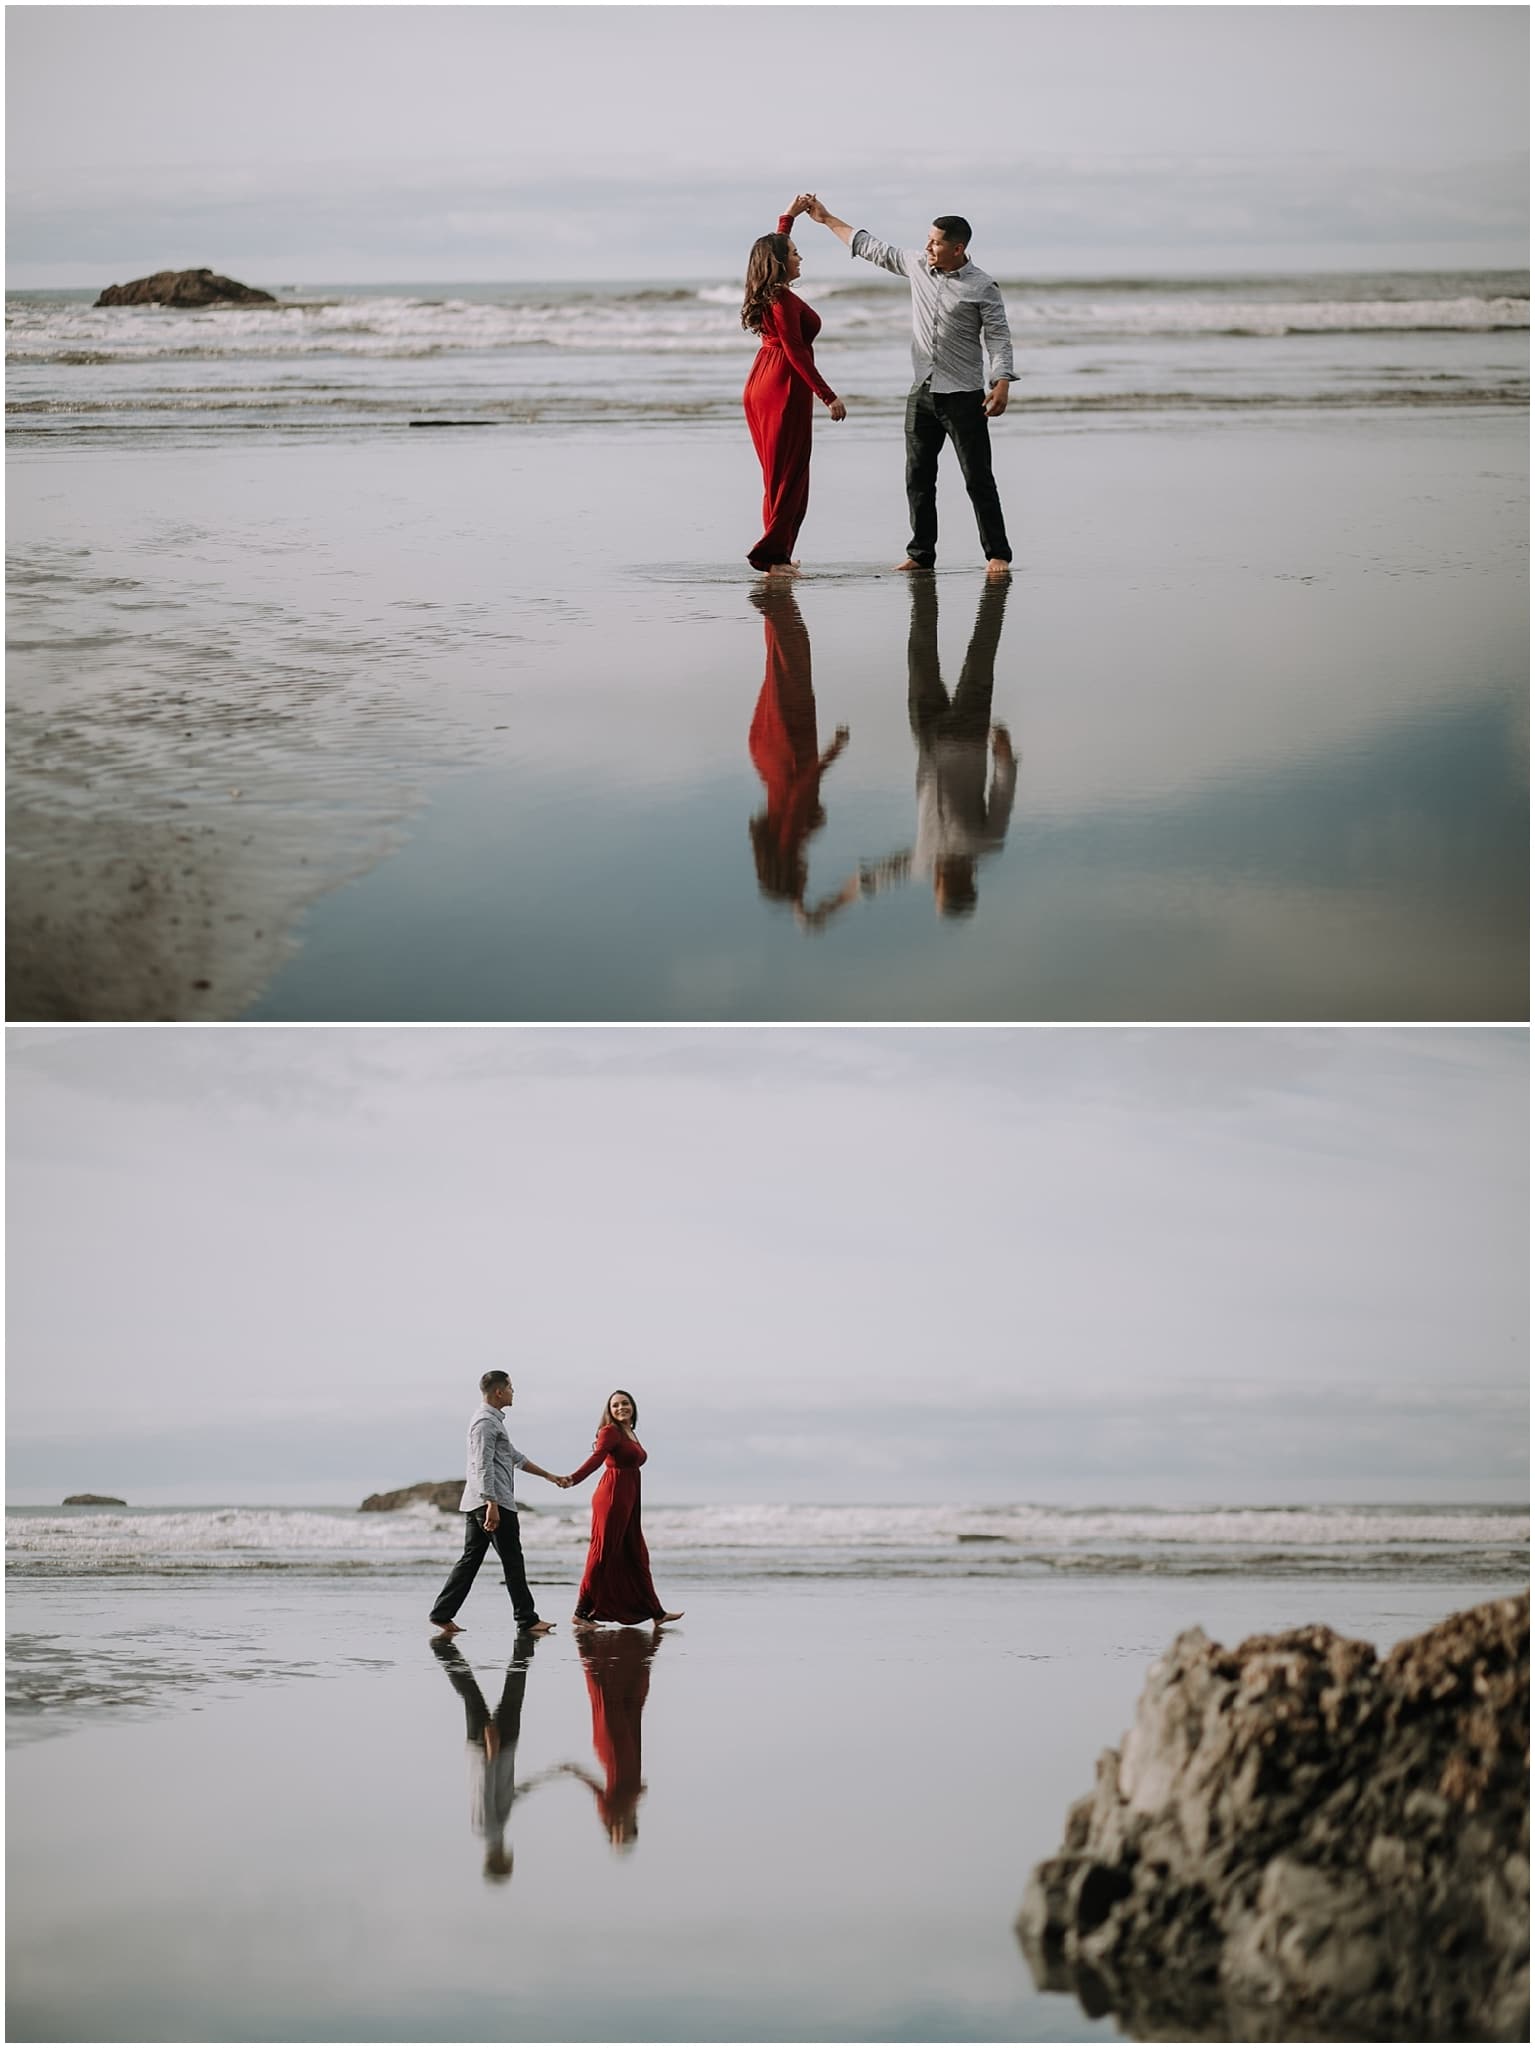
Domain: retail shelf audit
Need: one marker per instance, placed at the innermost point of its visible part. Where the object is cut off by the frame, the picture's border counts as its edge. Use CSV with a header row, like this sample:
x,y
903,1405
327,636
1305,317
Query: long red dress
x,y
778,399
616,1585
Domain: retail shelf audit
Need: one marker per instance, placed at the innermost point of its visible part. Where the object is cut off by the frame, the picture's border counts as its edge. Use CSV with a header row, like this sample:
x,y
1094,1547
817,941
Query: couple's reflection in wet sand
x,y
966,771
616,1664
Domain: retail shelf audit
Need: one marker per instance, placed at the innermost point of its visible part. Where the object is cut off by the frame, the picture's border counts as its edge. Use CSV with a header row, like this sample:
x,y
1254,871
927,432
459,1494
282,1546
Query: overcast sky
x,y
293,144
1092,1266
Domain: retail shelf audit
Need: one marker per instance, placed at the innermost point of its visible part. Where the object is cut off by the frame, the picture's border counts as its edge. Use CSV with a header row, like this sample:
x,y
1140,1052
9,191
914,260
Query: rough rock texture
x,y
93,1500
442,1493
184,288
1299,1840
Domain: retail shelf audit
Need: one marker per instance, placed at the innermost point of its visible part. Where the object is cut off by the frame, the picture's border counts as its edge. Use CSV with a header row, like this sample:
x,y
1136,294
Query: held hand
x,y
837,409
1001,743
815,209
996,399
800,205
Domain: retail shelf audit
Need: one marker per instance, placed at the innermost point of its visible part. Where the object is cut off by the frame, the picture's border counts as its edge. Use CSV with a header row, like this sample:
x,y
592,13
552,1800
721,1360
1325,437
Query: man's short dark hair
x,y
489,1381
954,228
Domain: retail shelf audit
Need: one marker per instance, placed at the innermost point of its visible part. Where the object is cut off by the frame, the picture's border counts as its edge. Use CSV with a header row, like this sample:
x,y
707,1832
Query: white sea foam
x,y
701,322
792,1538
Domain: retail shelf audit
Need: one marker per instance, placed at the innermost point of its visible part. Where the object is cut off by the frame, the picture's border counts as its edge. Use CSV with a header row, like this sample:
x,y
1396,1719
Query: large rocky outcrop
x,y
1299,1840
184,288
442,1493
93,1500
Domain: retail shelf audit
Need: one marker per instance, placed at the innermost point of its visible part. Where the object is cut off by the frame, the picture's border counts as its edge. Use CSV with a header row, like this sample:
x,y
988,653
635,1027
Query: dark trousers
x,y
477,1716
508,1541
967,715
959,416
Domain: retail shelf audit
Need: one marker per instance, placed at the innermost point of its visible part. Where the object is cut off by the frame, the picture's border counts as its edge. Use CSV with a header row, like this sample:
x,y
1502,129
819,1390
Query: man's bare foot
x,y
448,1628
537,1628
661,1619
909,567
998,568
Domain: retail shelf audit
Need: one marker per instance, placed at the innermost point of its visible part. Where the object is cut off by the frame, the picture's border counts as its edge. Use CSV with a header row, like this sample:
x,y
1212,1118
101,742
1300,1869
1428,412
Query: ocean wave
x,y
678,320
772,1540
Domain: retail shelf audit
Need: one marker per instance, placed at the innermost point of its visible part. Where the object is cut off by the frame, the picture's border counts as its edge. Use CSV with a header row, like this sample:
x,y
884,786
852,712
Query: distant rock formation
x,y
1298,1841
442,1493
93,1500
184,288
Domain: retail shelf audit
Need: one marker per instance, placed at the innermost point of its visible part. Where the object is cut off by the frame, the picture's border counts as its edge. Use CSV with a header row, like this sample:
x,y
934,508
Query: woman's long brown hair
x,y
767,270
607,1421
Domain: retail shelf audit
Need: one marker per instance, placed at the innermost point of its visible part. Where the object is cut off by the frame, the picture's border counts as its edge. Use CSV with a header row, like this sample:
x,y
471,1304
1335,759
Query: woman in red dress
x,y
616,1585
779,391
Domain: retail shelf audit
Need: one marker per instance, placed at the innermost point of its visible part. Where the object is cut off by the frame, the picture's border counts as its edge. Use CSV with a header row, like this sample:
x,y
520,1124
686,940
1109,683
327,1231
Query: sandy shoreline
x,y
1265,682
846,1788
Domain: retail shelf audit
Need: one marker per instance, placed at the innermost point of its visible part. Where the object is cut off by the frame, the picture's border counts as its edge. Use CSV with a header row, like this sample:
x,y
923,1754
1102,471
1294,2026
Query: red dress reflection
x,y
786,753
616,1585
617,1667
784,746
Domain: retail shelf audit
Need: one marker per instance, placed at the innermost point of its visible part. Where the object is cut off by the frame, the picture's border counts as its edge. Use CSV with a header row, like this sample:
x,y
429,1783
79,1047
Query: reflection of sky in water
x,y
1265,689
1382,875
845,1790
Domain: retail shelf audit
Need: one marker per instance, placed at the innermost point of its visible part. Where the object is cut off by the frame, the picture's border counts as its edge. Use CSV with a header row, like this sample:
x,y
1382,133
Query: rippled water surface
x,y
336,719
808,1813
348,360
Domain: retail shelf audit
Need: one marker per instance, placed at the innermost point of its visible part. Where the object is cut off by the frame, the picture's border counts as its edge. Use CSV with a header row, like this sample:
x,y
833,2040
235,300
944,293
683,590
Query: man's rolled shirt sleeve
x,y
482,1458
998,335
999,805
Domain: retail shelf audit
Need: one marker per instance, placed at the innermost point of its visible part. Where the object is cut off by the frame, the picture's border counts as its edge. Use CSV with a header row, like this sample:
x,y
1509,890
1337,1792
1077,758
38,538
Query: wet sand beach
x,y
256,1819
457,726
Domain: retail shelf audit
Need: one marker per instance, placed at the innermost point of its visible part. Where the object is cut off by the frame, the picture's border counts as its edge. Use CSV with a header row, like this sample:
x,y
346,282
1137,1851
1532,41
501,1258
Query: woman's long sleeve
x,y
785,316
605,1441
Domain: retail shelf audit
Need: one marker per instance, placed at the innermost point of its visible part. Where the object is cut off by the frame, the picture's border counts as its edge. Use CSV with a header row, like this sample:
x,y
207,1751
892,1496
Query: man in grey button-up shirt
x,y
955,308
489,1508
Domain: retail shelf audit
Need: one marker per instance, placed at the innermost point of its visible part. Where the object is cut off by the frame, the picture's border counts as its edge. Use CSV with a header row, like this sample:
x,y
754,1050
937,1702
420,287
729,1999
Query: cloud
x,y
1165,1253
502,221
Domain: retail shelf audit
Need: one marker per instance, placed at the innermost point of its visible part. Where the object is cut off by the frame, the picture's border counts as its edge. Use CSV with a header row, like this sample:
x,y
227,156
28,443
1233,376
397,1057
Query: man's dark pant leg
x,y
964,414
461,1578
971,714
508,1541
462,1680
924,440
927,701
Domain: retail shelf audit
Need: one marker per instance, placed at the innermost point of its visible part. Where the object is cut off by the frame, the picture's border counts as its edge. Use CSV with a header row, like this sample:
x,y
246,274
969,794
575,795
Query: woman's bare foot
x,y
582,1621
662,1619
447,1628
782,569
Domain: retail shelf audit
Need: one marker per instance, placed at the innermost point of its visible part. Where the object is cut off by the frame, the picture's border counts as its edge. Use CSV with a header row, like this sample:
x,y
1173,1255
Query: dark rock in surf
x,y
93,1500
184,288
442,1493
1300,1841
